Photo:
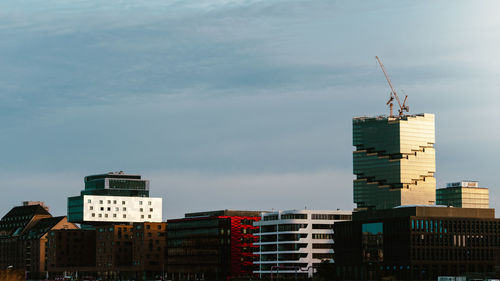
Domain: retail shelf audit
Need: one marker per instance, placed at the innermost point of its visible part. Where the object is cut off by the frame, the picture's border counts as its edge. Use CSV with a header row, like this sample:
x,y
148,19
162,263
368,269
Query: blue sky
x,y
236,104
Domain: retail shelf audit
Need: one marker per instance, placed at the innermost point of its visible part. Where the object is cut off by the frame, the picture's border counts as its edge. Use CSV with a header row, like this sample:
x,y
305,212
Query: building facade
x,y
150,249
24,236
418,243
394,161
464,194
114,198
217,245
295,242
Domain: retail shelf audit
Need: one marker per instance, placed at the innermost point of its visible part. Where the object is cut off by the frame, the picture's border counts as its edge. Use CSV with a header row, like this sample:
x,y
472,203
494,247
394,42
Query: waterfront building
x,y
114,197
150,249
394,161
23,238
295,242
215,245
463,194
417,243
71,251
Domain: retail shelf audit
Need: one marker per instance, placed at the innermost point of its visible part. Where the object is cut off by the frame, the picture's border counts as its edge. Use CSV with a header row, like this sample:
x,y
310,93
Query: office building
x,y
217,245
417,243
464,194
394,161
114,198
295,242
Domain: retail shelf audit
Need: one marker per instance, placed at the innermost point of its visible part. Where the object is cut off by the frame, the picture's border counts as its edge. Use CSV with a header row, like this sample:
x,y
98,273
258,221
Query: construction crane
x,y
402,107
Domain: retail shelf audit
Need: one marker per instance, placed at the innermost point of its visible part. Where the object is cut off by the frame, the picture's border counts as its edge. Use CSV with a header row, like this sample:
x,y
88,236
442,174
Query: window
x,y
294,216
105,215
114,201
124,216
149,216
89,201
124,208
93,214
109,208
123,202
142,216
140,202
102,208
100,215
109,201
100,201
141,209
150,209
117,209
149,203
91,208
114,215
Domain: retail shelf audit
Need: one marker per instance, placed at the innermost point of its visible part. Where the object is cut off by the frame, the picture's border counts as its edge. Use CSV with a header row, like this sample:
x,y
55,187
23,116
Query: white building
x,y
114,197
296,241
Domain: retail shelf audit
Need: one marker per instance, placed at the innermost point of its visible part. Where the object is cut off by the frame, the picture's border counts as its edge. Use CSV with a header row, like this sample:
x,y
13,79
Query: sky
x,y
242,104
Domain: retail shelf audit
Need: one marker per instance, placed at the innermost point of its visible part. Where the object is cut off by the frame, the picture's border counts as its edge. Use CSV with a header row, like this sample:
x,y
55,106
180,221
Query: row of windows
x,y
118,209
115,202
331,217
114,216
322,236
304,216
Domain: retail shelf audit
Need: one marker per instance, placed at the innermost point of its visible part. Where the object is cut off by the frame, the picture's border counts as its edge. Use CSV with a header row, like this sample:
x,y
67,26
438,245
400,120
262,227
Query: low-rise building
x,y
217,245
417,243
23,238
150,249
295,242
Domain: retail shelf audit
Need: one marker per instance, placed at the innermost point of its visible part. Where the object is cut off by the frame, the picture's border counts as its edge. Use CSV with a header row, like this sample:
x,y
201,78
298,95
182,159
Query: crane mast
x,y
402,107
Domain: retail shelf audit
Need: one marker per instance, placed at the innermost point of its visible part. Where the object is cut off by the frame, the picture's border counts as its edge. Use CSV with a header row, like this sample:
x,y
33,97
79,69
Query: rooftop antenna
x,y
402,107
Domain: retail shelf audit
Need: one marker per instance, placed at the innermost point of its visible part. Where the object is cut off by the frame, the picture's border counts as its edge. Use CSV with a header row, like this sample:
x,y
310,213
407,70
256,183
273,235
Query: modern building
x,y
394,161
217,245
23,238
114,198
418,243
463,194
295,242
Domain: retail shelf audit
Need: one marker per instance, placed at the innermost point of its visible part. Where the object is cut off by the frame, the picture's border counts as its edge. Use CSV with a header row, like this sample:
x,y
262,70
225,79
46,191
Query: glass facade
x,y
394,161
463,197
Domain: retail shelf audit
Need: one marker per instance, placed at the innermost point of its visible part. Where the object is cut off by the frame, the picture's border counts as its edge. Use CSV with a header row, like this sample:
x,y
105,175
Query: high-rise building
x,y
463,194
394,161
295,242
114,198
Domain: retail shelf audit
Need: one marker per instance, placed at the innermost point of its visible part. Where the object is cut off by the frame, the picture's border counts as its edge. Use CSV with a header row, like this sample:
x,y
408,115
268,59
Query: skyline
x,y
215,100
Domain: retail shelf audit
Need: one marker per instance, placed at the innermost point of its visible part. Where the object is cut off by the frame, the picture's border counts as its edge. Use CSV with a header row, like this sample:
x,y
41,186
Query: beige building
x,y
394,161
463,194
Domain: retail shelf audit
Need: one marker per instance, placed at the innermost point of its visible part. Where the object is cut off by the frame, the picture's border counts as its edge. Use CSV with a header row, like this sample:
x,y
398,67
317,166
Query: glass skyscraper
x,y
394,161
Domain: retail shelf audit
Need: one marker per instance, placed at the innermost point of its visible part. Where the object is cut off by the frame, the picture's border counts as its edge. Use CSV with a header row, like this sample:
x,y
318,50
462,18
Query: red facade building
x,y
216,245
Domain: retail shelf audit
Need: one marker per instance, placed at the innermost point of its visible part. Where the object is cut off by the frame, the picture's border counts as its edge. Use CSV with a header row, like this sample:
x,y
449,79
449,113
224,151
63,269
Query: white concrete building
x,y
296,241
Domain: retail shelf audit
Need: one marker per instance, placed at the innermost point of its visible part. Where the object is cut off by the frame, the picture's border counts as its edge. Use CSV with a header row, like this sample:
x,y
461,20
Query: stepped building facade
x,y
394,161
